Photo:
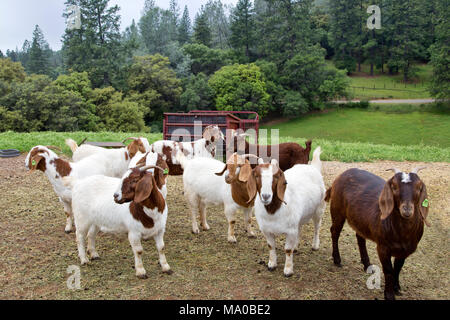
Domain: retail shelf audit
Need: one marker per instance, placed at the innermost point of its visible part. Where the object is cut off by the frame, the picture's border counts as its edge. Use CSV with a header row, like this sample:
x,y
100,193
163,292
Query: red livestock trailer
x,y
189,126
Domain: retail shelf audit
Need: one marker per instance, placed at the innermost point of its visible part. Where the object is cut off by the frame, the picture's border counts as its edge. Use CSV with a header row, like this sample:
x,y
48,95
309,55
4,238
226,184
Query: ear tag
x,y
425,203
166,171
33,163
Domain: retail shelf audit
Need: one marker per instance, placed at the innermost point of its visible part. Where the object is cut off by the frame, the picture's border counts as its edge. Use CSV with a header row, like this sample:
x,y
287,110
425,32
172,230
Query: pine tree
x,y
38,60
184,27
202,32
96,47
243,27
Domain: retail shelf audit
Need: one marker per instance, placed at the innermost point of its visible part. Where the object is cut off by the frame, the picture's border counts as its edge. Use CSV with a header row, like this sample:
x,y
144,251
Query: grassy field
x,y
335,140
371,135
389,87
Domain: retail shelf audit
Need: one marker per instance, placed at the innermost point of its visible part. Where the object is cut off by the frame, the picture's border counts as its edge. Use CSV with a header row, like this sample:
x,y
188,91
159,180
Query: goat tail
x,y
328,195
316,159
68,182
72,144
308,145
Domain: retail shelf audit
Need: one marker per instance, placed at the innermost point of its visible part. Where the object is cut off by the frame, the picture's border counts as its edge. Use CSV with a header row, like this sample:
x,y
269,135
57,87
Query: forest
x,y
277,57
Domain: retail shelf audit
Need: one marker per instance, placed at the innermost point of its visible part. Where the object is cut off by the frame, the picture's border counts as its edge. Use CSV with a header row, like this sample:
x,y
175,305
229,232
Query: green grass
x,y
363,135
417,89
332,150
25,141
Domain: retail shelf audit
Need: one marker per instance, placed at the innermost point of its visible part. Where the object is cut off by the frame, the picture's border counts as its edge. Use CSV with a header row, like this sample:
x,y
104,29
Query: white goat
x,y
287,201
116,160
202,186
204,147
45,160
98,204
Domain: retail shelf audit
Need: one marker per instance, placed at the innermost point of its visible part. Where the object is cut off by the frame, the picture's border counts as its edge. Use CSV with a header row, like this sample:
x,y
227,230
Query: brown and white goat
x,y
288,153
390,213
100,203
205,147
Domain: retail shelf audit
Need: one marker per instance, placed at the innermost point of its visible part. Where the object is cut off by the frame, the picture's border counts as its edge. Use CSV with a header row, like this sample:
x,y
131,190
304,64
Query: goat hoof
x,y
195,231
295,251
232,240
271,268
314,249
67,231
339,265
251,235
95,258
288,275
169,272
205,228
142,276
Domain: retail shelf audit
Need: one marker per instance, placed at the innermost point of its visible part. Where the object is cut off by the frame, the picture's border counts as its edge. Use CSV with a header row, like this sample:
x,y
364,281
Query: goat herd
x,y
124,191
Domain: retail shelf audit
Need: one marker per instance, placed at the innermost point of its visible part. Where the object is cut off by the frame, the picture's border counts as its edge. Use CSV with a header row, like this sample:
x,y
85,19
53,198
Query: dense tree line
x,y
268,56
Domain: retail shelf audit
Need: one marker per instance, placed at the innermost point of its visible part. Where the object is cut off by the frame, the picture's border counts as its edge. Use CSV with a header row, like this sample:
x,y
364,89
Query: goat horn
x,y
395,170
417,169
55,148
129,138
150,167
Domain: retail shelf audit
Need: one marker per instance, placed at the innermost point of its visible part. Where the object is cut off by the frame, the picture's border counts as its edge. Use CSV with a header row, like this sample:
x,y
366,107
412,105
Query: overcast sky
x,y
18,18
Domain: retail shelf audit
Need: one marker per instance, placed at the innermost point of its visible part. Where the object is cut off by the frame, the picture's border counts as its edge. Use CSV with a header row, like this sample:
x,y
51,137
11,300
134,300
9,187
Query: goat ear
x,y
37,162
221,172
424,204
281,187
143,188
245,173
386,200
132,148
207,134
251,187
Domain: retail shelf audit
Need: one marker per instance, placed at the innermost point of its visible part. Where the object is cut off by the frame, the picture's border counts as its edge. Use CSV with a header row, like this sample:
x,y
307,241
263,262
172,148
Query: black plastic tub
x,y
9,153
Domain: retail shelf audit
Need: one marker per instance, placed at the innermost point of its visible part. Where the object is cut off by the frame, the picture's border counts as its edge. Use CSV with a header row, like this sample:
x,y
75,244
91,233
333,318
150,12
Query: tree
x,y
197,95
440,58
406,32
96,47
184,27
202,32
240,87
154,85
38,60
218,24
345,15
204,59
243,27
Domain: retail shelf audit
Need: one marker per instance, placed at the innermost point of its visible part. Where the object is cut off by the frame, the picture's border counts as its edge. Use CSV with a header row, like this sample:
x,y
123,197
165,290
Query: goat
x,y
204,147
116,160
55,168
203,186
287,200
99,205
389,213
289,153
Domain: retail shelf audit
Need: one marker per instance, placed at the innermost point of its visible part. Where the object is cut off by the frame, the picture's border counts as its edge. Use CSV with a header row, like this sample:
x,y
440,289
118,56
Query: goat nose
x,y
116,195
265,196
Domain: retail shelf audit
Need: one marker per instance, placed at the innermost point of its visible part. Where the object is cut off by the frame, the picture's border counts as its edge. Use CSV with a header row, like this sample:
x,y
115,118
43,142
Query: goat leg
x,y
398,264
385,259
363,251
336,229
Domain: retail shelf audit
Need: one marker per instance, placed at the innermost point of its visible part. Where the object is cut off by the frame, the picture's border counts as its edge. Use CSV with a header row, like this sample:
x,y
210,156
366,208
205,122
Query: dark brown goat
x,y
289,153
389,213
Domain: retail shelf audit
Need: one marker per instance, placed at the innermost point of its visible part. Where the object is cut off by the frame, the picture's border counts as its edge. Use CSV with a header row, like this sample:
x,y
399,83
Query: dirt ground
x,y
35,252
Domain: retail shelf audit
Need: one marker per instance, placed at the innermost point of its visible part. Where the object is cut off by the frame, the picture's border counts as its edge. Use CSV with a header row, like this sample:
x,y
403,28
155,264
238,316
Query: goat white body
x,y
191,150
95,210
304,200
93,204
203,187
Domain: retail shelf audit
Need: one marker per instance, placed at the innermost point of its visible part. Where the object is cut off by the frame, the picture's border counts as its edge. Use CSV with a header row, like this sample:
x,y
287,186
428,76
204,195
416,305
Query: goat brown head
x,y
237,167
136,185
269,182
36,158
213,134
407,193
135,146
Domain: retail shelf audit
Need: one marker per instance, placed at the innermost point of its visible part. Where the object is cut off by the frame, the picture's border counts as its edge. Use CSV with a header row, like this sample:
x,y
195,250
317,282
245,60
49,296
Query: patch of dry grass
x,y
35,252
